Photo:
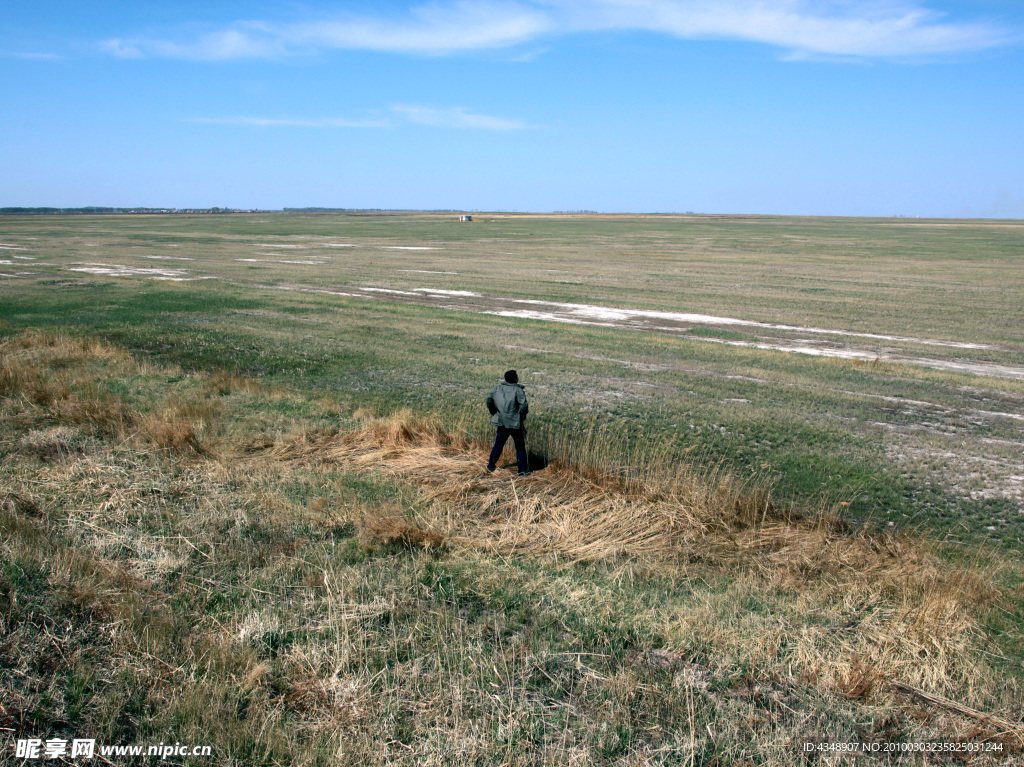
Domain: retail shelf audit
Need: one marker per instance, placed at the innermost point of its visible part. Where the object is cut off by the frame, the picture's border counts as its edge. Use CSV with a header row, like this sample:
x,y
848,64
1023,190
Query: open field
x,y
207,559
779,500
898,391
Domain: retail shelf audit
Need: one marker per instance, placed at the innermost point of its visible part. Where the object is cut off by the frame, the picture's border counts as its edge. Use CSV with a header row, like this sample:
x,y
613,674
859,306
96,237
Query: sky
x,y
791,107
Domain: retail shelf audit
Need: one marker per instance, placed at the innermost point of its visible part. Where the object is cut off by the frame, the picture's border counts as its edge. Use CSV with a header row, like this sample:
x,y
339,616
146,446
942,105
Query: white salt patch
x,y
532,315
408,247
974,368
339,245
623,315
12,247
315,290
434,291
284,255
116,270
898,400
170,258
6,263
993,414
388,290
25,258
278,261
185,279
14,275
584,314
425,271
845,354
277,245
590,318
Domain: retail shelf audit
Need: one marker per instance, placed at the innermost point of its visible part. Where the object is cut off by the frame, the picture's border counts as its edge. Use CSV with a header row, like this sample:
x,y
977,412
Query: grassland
x,y
248,511
900,442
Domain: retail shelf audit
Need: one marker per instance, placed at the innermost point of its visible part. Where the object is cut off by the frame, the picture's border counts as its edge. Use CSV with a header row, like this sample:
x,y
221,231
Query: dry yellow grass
x,y
560,511
912,616
61,380
384,529
216,594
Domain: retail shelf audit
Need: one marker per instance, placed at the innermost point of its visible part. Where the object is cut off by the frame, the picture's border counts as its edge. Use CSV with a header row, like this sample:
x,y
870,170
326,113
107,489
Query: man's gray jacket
x,y
508,406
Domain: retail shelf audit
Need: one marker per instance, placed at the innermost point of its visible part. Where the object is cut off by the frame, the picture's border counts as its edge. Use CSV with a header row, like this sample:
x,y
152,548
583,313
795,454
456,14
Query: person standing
x,y
508,407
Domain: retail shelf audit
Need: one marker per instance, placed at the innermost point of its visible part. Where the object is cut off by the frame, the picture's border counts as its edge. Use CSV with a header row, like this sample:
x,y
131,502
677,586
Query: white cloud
x,y
456,117
34,56
241,42
435,28
885,29
432,29
882,28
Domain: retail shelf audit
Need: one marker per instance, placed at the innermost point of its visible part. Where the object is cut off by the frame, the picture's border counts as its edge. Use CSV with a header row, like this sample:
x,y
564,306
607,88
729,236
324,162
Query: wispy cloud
x,y
246,41
33,56
881,28
437,28
885,28
454,117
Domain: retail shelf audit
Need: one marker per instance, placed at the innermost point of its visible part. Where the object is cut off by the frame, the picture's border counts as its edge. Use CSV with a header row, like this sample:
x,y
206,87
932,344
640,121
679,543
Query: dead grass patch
x,y
853,610
181,425
51,444
61,379
15,503
58,377
224,383
104,414
390,529
579,514
172,433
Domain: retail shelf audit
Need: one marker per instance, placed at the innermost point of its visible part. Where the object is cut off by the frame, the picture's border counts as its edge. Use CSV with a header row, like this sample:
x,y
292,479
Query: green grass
x,y
822,428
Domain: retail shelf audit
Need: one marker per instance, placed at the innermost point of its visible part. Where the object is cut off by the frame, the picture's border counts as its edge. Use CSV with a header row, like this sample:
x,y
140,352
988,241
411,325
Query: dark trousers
x,y
499,445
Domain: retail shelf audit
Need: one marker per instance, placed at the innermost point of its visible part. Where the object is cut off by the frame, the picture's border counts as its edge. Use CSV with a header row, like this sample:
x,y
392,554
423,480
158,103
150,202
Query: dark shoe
x,y
490,469
524,473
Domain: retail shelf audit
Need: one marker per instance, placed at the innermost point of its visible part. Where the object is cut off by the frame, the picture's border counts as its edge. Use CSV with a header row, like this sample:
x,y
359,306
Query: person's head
x,y
511,376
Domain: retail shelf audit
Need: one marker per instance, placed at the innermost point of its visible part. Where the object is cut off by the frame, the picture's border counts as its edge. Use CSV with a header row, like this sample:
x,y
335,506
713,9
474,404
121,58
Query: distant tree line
x,y
95,209
91,209
366,210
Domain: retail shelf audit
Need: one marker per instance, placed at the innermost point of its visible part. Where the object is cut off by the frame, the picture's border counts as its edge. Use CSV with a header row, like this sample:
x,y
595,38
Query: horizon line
x,y
317,209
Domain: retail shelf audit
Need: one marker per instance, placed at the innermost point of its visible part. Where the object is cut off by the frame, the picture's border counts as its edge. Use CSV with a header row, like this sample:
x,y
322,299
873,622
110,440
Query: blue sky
x,y
909,107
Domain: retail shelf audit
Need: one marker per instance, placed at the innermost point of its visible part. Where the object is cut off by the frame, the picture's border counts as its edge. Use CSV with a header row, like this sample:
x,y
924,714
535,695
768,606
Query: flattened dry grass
x,y
908,615
583,516
368,595
391,530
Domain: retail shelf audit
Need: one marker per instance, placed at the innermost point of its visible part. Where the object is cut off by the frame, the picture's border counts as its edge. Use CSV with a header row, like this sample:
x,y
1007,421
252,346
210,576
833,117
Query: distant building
x,y
465,218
